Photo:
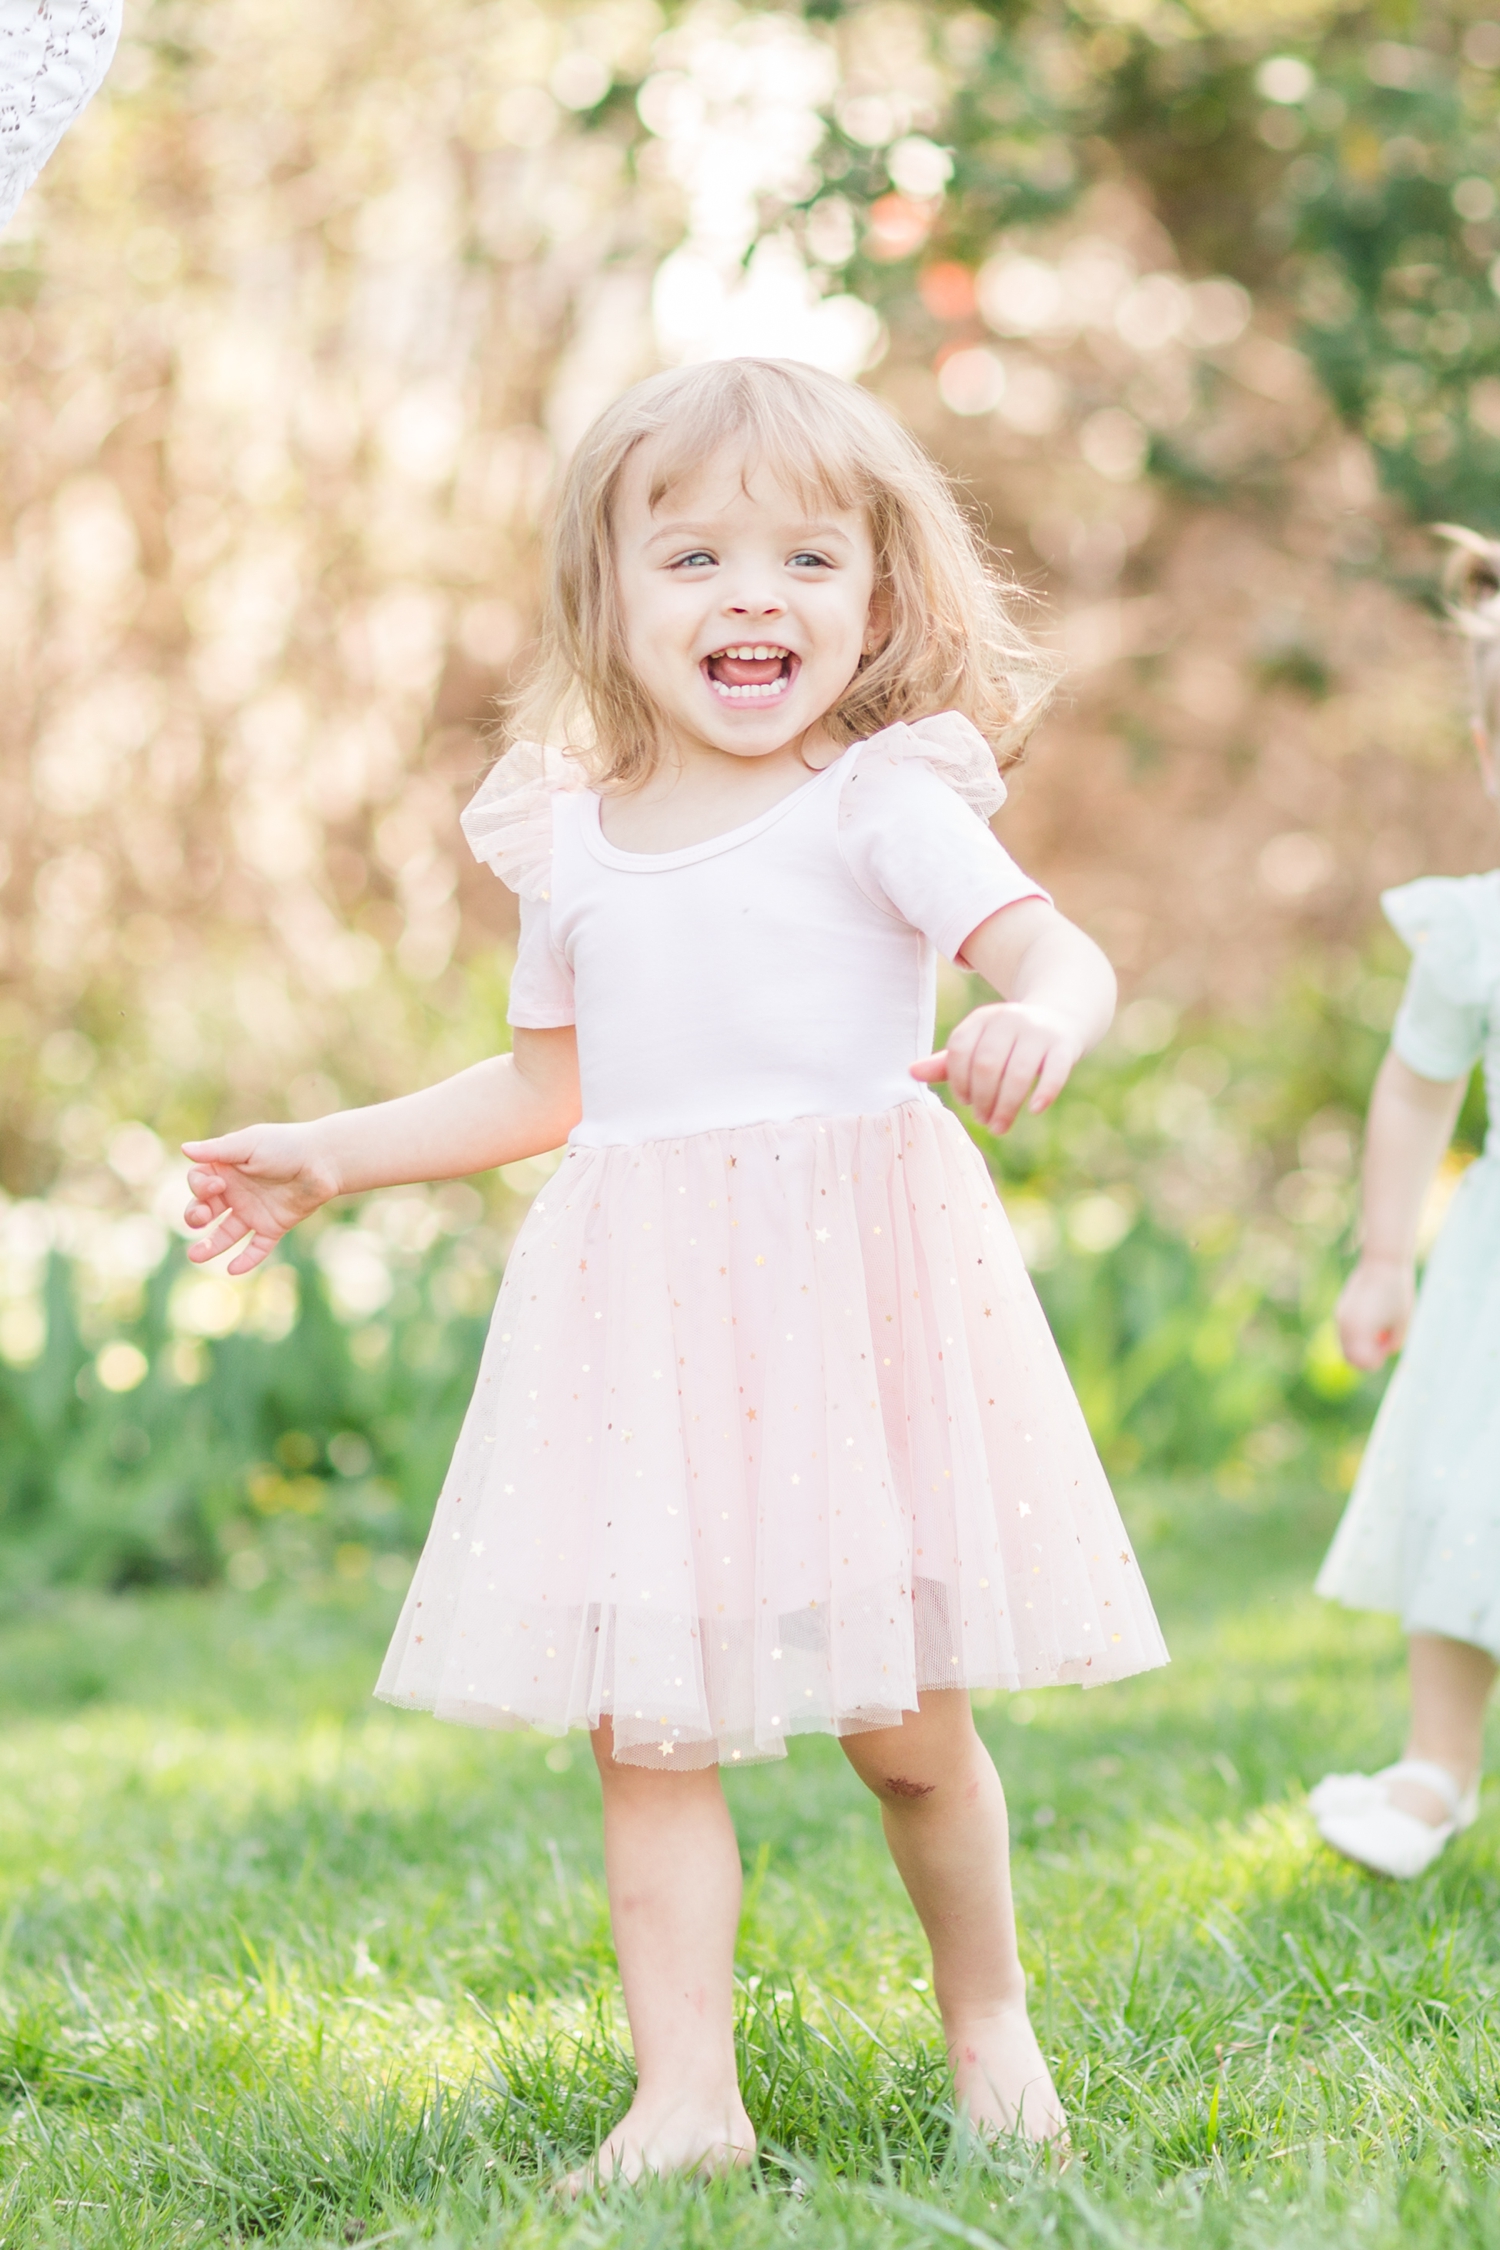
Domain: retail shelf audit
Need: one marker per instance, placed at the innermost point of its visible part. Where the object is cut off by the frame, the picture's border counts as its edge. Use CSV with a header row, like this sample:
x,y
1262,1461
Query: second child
x,y
1421,1535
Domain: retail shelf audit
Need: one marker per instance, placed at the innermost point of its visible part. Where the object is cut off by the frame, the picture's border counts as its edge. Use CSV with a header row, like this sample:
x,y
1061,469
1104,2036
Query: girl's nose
x,y
750,606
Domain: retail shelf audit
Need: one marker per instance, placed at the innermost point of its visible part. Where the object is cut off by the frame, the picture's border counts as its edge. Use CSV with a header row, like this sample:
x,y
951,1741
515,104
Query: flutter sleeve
x,y
914,829
1452,925
508,827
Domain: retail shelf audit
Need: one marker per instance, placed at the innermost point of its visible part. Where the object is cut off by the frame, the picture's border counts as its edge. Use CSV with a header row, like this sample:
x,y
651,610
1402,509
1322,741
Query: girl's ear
x,y
878,622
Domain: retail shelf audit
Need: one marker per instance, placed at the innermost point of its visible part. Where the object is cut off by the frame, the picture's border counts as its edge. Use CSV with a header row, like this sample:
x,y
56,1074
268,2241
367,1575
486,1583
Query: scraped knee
x,y
897,1785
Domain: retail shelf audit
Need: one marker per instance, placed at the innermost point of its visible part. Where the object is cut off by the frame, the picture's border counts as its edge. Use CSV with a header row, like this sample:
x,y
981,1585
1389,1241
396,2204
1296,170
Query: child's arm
x,y
251,1187
1059,1000
1410,1124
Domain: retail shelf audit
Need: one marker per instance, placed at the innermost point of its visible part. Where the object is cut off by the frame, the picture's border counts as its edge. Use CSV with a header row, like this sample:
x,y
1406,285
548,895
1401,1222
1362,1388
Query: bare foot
x,y
687,2135
1002,2083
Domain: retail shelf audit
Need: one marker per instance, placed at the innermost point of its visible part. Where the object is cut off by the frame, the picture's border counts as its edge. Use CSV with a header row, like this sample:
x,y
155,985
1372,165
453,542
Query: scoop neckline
x,y
601,847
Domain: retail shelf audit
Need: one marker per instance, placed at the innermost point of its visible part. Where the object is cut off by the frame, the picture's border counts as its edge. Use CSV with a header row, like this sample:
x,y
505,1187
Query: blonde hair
x,y
1471,581
950,642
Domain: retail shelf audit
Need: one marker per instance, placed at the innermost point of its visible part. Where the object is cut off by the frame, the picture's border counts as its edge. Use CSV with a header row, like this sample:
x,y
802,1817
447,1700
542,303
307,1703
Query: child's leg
x,y
1450,1685
944,1814
673,1868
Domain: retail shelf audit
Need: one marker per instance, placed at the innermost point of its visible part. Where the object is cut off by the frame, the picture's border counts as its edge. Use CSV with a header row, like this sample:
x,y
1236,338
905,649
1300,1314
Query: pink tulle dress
x,y
770,1432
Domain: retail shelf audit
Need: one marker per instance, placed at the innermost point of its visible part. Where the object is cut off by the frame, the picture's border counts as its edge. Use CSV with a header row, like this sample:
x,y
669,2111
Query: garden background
x,y
1202,303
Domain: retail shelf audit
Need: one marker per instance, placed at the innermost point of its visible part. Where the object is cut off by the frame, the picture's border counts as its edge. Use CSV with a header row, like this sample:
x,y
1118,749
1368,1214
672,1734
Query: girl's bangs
x,y
819,455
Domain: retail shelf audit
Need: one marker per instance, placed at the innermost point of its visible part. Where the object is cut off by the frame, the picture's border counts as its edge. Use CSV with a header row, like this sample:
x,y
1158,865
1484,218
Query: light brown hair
x,y
950,640
1471,581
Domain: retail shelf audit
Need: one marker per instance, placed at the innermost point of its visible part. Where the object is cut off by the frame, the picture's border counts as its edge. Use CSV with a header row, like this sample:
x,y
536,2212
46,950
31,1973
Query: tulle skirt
x,y
770,1434
1421,1534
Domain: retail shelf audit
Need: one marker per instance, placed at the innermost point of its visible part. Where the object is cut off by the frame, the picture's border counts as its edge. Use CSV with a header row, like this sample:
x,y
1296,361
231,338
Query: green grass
x,y
278,1967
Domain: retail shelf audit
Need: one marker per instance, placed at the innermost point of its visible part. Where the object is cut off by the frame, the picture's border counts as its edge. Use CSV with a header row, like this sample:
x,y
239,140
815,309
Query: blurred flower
x,y
918,167
898,227
947,290
1284,78
1113,442
1295,865
121,1367
972,381
357,1270
1020,296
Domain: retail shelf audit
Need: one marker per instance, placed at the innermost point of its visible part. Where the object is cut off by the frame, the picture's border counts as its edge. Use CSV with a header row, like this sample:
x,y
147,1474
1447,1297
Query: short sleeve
x,y
916,848
541,984
1452,926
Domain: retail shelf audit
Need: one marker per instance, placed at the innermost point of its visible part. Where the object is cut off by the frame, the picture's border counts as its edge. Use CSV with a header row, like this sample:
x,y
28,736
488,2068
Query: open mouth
x,y
751,672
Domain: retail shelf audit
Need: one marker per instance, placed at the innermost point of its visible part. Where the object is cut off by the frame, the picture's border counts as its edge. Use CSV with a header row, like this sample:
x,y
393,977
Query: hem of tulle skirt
x,y
687,1752
1368,1600
1358,1598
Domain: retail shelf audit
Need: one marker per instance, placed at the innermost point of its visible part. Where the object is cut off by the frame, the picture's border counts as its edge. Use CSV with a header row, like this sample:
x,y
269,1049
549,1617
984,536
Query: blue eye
x,y
698,555
807,556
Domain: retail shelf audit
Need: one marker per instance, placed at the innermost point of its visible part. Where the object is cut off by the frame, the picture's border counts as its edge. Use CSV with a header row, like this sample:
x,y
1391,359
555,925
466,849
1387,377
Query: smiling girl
x,y
770,1434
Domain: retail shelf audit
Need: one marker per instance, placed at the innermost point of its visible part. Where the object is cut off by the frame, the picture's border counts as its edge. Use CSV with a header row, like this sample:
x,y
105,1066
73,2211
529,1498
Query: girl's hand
x,y
1000,1054
1374,1310
252,1188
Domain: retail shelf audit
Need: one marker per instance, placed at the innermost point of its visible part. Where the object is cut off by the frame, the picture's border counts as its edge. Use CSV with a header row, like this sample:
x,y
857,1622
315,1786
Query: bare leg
x,y
673,1868
943,1810
1450,1685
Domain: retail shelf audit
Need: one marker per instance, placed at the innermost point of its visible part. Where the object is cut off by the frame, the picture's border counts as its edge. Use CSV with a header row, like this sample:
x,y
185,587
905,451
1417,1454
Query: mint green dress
x,y
1421,1534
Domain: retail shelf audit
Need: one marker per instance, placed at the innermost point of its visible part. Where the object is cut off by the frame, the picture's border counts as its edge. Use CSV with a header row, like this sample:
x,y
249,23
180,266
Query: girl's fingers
x,y
1012,1097
1014,1084
1055,1071
976,1080
230,1230
931,1067
960,1052
255,1251
982,1091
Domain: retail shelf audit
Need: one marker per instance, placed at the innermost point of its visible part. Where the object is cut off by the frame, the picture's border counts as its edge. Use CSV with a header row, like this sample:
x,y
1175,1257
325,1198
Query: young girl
x,y
1421,1535
770,1434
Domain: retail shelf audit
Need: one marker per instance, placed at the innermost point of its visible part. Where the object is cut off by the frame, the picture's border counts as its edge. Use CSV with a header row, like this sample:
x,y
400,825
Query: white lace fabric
x,y
53,58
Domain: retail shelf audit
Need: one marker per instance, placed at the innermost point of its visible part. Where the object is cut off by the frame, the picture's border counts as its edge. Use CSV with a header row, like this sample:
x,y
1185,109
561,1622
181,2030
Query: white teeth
x,y
753,692
756,655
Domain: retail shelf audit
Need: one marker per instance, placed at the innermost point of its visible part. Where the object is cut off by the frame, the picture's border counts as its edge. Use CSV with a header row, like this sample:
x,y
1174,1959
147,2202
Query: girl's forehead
x,y
663,477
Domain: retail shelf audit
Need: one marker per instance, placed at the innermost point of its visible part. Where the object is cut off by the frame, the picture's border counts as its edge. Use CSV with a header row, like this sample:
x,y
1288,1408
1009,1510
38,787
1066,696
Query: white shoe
x,y
1354,1813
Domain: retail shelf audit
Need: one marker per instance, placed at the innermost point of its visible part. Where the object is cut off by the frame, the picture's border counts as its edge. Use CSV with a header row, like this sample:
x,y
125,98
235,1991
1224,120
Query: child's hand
x,y
1374,1310
1000,1054
256,1185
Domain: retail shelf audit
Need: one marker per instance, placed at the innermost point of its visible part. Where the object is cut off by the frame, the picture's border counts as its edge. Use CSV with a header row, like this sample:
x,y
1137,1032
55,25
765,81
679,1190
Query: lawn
x,y
282,1967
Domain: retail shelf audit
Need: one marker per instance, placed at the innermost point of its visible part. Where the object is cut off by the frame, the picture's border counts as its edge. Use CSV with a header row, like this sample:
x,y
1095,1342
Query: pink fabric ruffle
x,y
507,823
770,1434
957,753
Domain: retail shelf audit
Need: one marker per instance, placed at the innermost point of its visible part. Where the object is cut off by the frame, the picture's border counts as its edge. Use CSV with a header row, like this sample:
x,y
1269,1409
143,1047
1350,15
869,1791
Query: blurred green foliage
x,y
1185,1210
1339,163
291,1455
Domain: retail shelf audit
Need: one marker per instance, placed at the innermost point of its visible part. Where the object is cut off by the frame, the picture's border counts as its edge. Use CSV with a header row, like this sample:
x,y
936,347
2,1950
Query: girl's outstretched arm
x,y
251,1187
1410,1124
1059,1001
